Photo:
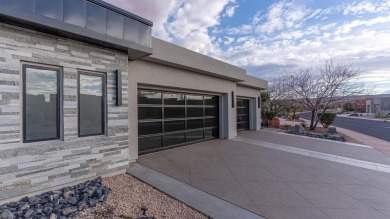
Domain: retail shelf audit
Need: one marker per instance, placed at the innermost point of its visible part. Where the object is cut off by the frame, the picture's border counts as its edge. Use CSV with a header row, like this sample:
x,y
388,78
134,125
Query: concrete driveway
x,y
282,176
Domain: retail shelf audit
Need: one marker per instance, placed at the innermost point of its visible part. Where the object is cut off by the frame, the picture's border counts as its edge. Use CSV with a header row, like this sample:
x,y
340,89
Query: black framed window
x,y
41,103
91,103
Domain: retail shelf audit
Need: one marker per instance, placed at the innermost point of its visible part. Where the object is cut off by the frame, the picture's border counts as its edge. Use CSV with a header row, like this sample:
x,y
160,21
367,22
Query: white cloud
x,y
366,6
230,10
278,39
346,28
281,15
228,40
183,22
240,30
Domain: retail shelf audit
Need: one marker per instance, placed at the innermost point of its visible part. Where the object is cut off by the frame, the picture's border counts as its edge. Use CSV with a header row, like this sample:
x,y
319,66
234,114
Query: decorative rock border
x,y
62,204
328,137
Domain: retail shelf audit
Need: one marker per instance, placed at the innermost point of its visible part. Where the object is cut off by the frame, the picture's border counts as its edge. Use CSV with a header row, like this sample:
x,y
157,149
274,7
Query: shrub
x,y
348,107
270,115
303,124
287,126
327,119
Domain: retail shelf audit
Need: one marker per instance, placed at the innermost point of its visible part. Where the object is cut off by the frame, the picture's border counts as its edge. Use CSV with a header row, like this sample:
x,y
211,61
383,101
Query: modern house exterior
x,y
379,104
85,89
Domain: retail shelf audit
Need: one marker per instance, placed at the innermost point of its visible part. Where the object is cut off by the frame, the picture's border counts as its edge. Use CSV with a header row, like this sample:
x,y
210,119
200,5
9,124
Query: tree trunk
x,y
313,115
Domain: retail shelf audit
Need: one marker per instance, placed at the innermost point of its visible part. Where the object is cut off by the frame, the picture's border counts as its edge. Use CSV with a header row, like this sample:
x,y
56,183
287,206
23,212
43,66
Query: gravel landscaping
x,y
117,197
128,195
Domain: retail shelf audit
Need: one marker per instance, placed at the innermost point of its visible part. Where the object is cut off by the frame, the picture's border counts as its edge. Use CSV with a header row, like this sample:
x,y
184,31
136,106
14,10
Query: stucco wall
x,y
144,73
179,57
28,167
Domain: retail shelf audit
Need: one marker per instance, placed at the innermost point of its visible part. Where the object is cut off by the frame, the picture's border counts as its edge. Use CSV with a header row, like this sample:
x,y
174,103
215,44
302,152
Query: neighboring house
x,y
369,103
85,89
379,105
385,105
359,105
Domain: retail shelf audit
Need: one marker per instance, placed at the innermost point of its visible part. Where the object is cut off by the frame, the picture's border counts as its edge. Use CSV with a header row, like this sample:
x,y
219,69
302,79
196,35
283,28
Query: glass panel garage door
x,y
167,119
242,114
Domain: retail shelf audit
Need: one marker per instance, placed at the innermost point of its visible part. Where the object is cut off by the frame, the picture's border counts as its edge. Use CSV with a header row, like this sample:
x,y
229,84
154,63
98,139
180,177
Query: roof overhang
x,y
91,21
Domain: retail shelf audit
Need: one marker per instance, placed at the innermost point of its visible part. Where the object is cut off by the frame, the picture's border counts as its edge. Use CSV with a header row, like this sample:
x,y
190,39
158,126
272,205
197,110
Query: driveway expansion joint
x,y
318,155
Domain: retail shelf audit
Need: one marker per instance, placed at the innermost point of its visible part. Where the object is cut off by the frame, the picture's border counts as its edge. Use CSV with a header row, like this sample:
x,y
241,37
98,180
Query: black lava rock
x,y
65,203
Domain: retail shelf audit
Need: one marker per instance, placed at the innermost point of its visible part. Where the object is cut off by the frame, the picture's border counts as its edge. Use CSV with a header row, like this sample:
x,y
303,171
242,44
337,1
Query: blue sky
x,y
269,38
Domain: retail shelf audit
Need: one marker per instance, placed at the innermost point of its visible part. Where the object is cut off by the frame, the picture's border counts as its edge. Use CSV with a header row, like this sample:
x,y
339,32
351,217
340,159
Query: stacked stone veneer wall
x,y
30,167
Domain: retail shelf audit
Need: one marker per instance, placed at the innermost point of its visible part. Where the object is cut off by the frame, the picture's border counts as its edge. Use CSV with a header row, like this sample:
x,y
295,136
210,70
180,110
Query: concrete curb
x,y
320,139
357,117
208,204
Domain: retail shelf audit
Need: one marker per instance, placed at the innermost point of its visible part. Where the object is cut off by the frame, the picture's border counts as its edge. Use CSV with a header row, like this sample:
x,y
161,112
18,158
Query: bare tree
x,y
316,88
278,95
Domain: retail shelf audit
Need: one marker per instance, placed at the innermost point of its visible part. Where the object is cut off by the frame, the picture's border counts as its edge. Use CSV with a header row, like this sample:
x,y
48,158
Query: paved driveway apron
x,y
280,176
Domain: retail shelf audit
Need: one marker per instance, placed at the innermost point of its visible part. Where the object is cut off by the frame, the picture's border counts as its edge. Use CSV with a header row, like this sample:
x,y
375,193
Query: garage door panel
x,y
149,143
168,119
242,114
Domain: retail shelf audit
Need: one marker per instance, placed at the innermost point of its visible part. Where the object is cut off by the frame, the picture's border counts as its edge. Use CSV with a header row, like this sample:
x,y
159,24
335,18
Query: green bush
x,y
348,107
270,115
327,119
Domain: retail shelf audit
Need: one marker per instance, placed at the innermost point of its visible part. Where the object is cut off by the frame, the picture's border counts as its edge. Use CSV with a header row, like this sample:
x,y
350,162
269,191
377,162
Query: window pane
x,y
212,101
211,111
149,97
193,136
91,103
147,128
242,118
174,99
212,133
213,122
173,126
194,100
41,104
174,112
174,139
195,112
195,124
149,143
149,113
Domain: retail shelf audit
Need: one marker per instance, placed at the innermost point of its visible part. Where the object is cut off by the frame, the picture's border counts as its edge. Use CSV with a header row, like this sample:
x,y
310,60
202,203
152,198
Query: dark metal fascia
x,y
122,12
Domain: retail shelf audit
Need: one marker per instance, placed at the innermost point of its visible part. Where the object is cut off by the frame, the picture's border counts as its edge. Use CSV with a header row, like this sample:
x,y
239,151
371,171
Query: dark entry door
x,y
242,114
169,119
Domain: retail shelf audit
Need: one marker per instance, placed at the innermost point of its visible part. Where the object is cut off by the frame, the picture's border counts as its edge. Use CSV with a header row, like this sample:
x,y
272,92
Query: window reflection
x,y
41,104
174,99
149,97
91,105
194,100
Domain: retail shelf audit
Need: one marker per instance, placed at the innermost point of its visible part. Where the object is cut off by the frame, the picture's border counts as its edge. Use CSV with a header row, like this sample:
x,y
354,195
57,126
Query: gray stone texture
x,y
30,167
298,129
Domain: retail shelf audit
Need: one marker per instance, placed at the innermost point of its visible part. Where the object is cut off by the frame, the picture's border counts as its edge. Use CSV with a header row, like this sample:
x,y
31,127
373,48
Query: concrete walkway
x,y
276,183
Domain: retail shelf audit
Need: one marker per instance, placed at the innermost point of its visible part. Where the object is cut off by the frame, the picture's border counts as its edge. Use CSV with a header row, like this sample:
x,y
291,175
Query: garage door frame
x,y
215,109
